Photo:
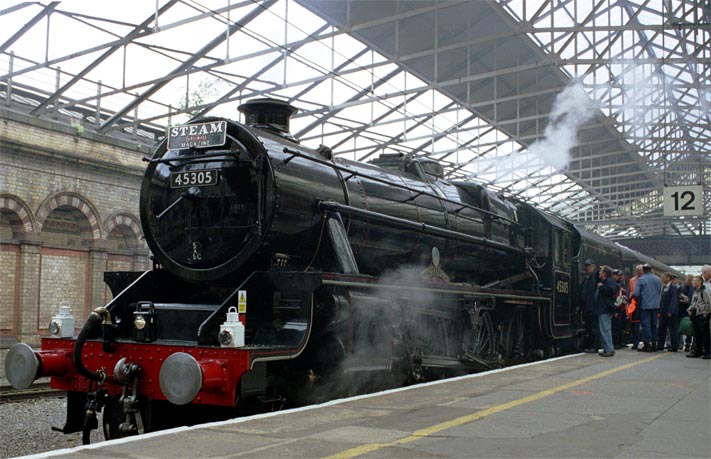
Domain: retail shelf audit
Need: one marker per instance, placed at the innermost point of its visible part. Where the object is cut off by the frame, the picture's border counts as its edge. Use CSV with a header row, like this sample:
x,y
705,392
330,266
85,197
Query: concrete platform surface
x,y
632,405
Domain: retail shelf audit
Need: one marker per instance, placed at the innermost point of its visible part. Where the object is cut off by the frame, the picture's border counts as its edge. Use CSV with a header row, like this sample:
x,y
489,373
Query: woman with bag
x,y
686,328
700,313
619,318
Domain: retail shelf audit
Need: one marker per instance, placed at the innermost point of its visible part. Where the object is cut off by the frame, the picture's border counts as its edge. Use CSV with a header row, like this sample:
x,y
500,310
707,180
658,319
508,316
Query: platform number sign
x,y
683,200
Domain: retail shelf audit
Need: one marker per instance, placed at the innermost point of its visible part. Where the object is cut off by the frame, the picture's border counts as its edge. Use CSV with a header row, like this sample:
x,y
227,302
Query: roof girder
x,y
231,30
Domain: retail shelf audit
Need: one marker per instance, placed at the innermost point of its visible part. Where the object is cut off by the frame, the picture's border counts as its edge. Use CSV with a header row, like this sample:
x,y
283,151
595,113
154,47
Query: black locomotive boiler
x,y
285,274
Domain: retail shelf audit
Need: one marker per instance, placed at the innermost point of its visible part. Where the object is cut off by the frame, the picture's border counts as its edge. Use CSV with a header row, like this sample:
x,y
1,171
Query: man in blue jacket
x,y
647,292
668,314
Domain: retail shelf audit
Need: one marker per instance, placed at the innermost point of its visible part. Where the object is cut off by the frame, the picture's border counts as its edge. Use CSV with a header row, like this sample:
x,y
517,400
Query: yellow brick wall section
x,y
8,273
63,279
77,146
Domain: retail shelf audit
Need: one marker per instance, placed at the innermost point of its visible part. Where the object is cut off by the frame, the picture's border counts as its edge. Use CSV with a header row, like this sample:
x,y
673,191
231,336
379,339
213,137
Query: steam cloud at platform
x,y
571,109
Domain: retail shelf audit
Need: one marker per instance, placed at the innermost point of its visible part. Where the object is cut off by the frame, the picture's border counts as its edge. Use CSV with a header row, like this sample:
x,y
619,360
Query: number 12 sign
x,y
683,200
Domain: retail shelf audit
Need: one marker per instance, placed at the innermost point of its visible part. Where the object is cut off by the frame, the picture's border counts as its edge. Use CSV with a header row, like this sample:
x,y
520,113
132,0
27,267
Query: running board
x,y
436,361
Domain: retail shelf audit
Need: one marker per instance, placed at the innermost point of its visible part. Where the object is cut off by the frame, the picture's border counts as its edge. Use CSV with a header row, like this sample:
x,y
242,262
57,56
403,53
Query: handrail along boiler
x,y
285,275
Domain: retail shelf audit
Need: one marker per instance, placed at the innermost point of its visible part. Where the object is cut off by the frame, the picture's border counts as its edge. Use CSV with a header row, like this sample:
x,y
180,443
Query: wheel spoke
x,y
484,341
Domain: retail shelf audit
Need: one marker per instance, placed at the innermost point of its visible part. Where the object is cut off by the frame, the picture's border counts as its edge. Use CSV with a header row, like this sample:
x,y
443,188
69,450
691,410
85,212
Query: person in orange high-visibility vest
x,y
634,317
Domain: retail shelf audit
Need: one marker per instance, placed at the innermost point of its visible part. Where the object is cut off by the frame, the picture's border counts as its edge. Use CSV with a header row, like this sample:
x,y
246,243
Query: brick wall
x,y
63,277
69,212
8,291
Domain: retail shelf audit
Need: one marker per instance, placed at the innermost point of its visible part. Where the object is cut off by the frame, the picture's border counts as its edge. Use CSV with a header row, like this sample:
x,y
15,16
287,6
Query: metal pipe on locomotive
x,y
283,272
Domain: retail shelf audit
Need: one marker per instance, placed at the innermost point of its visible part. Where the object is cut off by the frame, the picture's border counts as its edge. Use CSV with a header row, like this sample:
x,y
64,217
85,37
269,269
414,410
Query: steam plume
x,y
360,371
572,108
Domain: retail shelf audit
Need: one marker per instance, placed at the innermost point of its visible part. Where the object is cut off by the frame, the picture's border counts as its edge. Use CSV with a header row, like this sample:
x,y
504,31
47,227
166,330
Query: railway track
x,y
40,390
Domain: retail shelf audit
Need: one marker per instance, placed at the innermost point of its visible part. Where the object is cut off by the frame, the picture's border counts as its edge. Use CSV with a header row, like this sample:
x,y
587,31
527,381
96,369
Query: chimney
x,y
269,114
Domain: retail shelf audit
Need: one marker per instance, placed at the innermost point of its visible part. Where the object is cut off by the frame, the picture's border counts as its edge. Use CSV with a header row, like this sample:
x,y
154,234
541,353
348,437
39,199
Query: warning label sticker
x,y
242,301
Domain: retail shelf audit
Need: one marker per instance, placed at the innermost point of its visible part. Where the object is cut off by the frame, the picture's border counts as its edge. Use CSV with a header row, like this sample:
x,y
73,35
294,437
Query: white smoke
x,y
571,109
375,316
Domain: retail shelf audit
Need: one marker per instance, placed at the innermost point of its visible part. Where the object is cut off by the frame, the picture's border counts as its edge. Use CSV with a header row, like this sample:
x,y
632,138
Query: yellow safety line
x,y
427,431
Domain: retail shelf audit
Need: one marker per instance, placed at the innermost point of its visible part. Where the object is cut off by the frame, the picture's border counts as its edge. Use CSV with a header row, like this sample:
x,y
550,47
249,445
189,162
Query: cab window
x,y
561,244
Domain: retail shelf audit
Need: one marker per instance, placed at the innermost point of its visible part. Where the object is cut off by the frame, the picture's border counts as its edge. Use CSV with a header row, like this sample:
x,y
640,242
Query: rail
x,y
39,390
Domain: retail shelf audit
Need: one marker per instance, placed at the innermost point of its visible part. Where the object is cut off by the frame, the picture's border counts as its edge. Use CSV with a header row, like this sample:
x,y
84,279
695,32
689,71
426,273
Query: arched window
x,y
11,229
15,222
11,232
122,245
68,228
122,240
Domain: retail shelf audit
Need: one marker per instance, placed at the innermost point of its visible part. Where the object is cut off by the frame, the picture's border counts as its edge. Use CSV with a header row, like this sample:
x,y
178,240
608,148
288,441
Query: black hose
x,y
86,431
95,319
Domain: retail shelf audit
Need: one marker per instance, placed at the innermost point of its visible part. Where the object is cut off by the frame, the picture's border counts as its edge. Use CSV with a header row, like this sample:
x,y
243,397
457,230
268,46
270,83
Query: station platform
x,y
631,405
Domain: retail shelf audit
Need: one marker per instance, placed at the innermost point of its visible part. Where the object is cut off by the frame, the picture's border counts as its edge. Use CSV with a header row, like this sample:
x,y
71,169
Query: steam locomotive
x,y
284,275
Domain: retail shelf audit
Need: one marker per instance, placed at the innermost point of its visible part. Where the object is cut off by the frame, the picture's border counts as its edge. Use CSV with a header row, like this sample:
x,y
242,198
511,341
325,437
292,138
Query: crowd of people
x,y
614,311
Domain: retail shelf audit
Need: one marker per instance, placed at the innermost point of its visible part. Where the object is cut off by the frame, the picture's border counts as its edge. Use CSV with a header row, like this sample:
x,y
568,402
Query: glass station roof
x,y
584,108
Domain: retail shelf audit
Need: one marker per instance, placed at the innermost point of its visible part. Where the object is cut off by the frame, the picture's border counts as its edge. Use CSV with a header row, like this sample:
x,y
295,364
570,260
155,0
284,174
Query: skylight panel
x,y
656,113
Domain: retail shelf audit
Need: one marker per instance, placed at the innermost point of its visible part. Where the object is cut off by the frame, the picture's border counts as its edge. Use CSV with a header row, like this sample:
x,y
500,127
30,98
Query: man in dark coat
x,y
588,288
605,307
668,314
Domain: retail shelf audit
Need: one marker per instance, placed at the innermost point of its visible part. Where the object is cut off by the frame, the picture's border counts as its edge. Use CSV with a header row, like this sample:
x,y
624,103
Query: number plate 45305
x,y
193,178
